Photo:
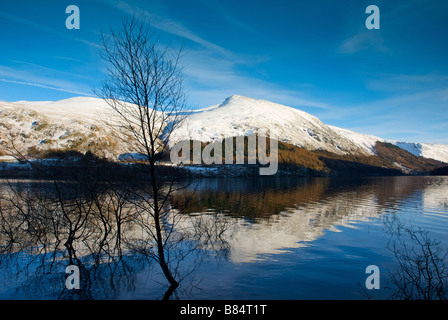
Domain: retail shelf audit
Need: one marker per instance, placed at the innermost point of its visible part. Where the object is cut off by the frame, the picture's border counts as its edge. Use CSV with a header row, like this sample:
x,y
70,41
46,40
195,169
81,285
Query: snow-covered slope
x,y
365,141
78,123
427,150
84,109
238,116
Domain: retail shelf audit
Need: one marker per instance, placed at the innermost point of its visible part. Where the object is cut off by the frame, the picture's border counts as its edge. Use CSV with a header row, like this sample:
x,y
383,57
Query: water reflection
x,y
105,229
102,228
277,214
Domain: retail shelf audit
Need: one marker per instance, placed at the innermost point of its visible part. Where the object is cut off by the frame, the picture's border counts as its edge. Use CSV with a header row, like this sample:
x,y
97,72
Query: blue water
x,y
288,238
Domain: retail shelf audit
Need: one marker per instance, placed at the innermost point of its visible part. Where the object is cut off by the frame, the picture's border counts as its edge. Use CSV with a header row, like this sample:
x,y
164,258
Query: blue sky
x,y
317,56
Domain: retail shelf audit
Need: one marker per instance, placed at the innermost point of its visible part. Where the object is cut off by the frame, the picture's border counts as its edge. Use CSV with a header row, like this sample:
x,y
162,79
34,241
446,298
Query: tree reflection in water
x,y
103,228
106,229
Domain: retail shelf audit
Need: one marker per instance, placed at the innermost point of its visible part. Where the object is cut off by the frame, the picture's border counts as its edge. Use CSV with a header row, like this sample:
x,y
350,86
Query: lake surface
x,y
272,238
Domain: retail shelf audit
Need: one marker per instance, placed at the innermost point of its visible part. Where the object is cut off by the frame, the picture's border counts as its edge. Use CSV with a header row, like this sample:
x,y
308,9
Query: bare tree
x,y
94,216
422,272
144,89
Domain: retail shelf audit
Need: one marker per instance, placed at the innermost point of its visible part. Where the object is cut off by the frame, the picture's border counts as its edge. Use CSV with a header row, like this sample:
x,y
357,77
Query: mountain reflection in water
x,y
276,214
285,229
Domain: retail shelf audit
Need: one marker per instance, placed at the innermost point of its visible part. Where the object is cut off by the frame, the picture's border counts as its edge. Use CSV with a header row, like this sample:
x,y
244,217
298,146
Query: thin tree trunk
x,y
159,238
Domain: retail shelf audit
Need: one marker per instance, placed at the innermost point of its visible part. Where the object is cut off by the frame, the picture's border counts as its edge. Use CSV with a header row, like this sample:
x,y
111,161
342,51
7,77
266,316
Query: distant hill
x,y
47,128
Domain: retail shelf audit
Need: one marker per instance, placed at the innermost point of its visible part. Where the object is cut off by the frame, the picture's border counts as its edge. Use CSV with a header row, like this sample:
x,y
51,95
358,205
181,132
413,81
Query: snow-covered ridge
x,y
238,116
427,150
60,123
73,123
365,141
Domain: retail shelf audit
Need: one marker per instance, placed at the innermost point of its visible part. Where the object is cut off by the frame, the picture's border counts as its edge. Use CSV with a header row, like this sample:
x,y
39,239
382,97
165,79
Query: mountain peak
x,y
246,104
64,121
236,99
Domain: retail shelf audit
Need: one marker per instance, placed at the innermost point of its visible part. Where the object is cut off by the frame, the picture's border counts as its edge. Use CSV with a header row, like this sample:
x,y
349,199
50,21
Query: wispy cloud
x,y
40,69
210,80
364,40
48,30
419,116
39,85
393,82
166,24
223,11
36,79
211,72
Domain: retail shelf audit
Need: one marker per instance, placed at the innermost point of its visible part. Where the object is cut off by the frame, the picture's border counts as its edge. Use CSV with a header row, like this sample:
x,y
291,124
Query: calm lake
x,y
269,238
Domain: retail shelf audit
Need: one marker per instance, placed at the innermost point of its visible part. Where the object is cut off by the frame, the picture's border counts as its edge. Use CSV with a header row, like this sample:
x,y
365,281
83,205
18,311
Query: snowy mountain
x,y
427,150
238,116
76,123
79,124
